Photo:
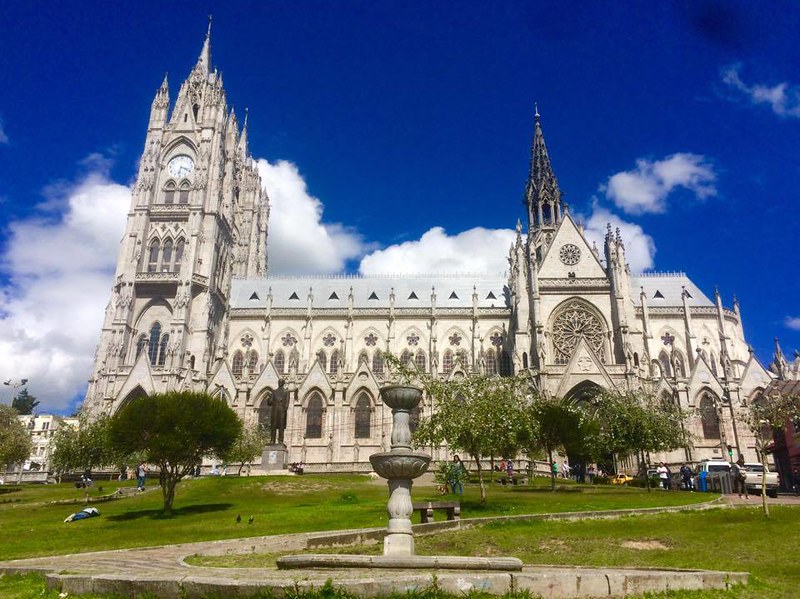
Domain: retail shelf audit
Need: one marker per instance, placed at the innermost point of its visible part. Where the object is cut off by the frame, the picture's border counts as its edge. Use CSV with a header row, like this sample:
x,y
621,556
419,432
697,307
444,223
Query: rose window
x,y
573,323
328,340
370,340
570,254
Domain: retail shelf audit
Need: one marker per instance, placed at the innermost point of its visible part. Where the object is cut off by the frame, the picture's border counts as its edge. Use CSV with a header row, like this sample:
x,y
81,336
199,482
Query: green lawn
x,y
206,510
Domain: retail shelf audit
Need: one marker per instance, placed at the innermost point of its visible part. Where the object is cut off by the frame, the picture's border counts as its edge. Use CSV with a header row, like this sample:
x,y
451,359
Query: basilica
x,y
193,306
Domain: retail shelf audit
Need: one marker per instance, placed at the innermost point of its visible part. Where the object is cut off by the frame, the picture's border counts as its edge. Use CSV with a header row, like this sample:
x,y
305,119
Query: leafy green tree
x,y
636,423
175,431
15,442
556,425
247,447
82,448
767,415
477,415
24,403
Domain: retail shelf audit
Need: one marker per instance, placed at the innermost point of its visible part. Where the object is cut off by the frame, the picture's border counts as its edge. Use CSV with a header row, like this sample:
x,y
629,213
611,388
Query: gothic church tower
x,y
198,217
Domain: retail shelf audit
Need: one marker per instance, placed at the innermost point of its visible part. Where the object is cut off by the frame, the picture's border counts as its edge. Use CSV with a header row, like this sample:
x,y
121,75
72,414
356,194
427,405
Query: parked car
x,y
621,479
755,472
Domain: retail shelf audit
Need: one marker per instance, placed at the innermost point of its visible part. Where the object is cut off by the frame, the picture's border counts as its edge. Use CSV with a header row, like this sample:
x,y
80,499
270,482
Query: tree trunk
x,y
480,478
763,483
646,476
552,472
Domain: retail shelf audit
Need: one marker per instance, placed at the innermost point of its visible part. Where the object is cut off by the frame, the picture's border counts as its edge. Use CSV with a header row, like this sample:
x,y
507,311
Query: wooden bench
x,y
517,479
426,509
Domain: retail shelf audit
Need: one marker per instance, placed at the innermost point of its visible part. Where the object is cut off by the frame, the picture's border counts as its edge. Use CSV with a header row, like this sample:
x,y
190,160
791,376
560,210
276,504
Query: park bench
x,y
426,509
517,479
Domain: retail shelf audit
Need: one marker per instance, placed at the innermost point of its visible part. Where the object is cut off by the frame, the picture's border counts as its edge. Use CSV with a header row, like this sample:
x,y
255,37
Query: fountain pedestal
x,y
400,466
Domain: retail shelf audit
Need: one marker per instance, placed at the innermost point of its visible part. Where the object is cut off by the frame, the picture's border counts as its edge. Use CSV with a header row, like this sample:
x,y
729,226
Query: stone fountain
x,y
400,466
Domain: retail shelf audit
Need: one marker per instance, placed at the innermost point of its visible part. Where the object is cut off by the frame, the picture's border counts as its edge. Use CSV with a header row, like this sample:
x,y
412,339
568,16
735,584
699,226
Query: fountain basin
x,y
401,397
405,465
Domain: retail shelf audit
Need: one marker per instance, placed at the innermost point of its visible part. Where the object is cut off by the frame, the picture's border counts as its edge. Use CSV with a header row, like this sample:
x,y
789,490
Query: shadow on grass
x,y
188,510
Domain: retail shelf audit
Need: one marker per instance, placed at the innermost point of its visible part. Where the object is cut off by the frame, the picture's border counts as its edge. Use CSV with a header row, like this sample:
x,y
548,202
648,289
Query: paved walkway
x,y
163,572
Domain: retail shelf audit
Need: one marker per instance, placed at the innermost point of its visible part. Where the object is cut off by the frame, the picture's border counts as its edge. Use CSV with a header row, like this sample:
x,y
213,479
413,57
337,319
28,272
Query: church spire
x,y
542,194
204,60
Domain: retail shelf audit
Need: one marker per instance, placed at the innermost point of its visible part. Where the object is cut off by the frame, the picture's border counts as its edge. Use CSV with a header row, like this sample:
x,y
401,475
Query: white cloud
x,y
645,189
792,322
3,135
476,250
60,265
640,249
299,242
782,98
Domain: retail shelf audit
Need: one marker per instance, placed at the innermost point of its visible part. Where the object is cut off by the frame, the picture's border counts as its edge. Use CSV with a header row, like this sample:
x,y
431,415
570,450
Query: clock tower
x,y
198,217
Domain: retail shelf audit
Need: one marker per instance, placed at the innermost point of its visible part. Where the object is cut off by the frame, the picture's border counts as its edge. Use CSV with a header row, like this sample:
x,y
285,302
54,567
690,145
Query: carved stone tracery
x,y
572,323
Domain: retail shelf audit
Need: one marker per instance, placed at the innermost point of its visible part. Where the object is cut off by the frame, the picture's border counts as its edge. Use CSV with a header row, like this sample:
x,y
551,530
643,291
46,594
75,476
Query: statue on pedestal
x,y
279,405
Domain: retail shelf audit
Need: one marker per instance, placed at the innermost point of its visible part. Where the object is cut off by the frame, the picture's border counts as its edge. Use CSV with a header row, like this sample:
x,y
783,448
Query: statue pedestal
x,y
274,457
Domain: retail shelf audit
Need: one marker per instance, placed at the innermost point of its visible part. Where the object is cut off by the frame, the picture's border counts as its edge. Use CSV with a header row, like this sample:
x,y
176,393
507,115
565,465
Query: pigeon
x,y
250,521
238,518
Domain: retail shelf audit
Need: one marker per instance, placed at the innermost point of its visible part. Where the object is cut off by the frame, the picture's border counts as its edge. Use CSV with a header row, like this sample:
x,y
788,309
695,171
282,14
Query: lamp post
x,y
14,386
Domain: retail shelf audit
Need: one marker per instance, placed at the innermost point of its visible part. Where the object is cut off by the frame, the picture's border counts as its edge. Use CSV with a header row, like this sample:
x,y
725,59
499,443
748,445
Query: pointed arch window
x,y
377,362
505,364
322,358
334,368
252,362
294,359
179,247
406,357
713,364
237,365
363,415
363,357
140,345
152,346
680,368
709,418
419,361
447,362
162,350
666,368
152,256
491,362
183,195
280,361
314,417
169,193
166,256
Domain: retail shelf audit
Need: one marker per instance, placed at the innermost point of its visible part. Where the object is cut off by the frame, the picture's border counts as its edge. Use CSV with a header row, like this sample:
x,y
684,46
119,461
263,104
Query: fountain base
x,y
406,562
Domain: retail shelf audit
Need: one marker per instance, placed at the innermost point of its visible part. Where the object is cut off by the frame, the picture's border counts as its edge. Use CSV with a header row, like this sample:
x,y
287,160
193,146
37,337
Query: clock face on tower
x,y
180,166
570,254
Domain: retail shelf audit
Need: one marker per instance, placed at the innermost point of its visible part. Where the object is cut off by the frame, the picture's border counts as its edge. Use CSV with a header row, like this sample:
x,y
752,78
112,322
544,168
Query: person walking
x,y
739,475
457,472
141,475
686,477
796,479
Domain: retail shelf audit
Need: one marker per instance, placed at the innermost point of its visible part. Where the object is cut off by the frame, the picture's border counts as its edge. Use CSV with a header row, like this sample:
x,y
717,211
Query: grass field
x,y
205,509
738,539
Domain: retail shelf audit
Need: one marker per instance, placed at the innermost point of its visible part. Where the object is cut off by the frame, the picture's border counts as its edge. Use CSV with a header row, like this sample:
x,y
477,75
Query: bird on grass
x,y
238,518
250,521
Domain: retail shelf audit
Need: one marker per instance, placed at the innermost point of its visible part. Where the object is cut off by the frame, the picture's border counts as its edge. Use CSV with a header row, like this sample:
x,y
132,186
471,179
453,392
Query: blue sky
x,y
679,121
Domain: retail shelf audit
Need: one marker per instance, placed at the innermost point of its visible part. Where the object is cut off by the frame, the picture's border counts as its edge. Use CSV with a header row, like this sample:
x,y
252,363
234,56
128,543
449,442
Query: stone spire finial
x,y
204,61
541,190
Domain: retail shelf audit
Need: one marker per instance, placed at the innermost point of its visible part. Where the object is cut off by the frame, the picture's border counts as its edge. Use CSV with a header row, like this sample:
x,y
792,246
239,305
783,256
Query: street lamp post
x,y
14,386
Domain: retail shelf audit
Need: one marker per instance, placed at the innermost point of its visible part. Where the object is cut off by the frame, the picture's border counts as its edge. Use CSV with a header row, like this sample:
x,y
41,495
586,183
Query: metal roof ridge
x,y
324,277
657,273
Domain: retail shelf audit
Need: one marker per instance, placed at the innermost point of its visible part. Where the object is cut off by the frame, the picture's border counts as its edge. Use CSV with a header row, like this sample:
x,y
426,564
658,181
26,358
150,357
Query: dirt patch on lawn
x,y
284,488
645,545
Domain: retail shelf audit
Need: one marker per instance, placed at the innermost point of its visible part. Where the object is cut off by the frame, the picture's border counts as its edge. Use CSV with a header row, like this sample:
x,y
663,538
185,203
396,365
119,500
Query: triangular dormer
x,y
267,379
569,255
584,365
754,376
316,379
703,377
141,375
222,379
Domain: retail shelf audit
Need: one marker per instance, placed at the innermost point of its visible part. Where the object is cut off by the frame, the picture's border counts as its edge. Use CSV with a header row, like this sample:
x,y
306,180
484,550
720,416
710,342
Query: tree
x,y
768,414
635,423
476,415
556,424
24,403
15,442
247,446
83,447
175,431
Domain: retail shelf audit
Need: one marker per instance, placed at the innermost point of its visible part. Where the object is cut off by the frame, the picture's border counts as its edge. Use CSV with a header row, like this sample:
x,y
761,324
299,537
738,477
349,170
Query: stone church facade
x,y
193,307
